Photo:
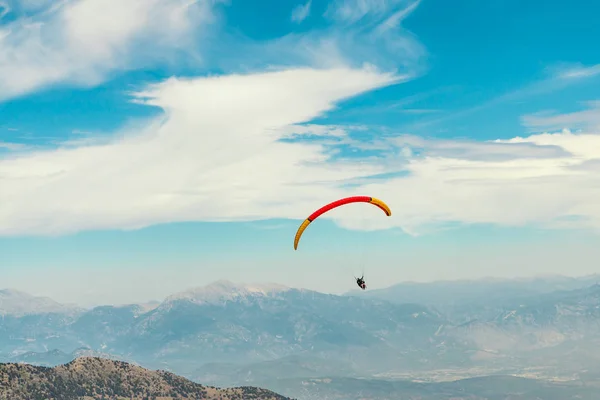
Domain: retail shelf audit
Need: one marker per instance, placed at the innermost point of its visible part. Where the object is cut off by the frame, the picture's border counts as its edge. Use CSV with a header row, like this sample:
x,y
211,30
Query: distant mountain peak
x,y
223,290
12,292
15,302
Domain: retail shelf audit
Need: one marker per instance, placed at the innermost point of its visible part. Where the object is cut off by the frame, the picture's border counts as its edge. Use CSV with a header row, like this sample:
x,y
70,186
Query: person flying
x,y
361,282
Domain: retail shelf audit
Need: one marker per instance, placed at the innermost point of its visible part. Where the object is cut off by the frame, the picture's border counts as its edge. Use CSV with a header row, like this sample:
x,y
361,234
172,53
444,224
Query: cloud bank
x,y
220,153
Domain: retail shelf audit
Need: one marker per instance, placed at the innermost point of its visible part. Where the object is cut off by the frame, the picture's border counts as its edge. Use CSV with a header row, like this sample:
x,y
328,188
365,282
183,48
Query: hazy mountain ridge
x,y
17,303
57,357
264,327
546,320
251,326
222,291
559,331
562,306
464,300
226,334
98,378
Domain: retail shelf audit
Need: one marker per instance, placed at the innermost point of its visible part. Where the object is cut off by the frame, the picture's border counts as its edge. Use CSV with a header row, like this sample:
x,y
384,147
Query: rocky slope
x,y
96,378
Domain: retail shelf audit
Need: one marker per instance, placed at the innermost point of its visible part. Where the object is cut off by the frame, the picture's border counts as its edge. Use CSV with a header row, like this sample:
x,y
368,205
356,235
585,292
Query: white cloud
x,y
216,155
540,188
301,12
82,41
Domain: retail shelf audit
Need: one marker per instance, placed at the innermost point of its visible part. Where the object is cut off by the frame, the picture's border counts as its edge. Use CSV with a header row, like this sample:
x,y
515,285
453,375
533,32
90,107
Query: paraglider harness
x,y
361,282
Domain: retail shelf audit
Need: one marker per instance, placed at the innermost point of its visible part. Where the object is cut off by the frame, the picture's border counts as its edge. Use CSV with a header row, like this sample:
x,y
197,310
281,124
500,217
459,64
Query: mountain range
x,y
462,300
227,334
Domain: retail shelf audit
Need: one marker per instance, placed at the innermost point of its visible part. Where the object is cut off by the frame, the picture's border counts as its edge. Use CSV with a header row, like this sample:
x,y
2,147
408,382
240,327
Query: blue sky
x,y
151,146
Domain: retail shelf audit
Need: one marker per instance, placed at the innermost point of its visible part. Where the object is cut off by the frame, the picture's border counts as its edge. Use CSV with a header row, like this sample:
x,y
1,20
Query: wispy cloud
x,y
352,11
574,71
313,130
396,18
585,119
301,12
4,9
27,7
81,42
472,150
559,77
12,146
347,40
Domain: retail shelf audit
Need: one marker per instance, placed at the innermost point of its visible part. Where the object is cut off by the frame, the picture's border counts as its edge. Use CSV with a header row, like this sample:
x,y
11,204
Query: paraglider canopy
x,y
347,200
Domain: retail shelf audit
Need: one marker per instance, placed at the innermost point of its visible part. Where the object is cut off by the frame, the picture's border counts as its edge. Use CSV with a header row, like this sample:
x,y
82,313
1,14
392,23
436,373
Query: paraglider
x,y
361,282
354,199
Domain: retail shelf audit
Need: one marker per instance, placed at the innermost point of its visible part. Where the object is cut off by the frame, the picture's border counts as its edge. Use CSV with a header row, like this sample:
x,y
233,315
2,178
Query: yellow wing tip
x,y
381,204
301,229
